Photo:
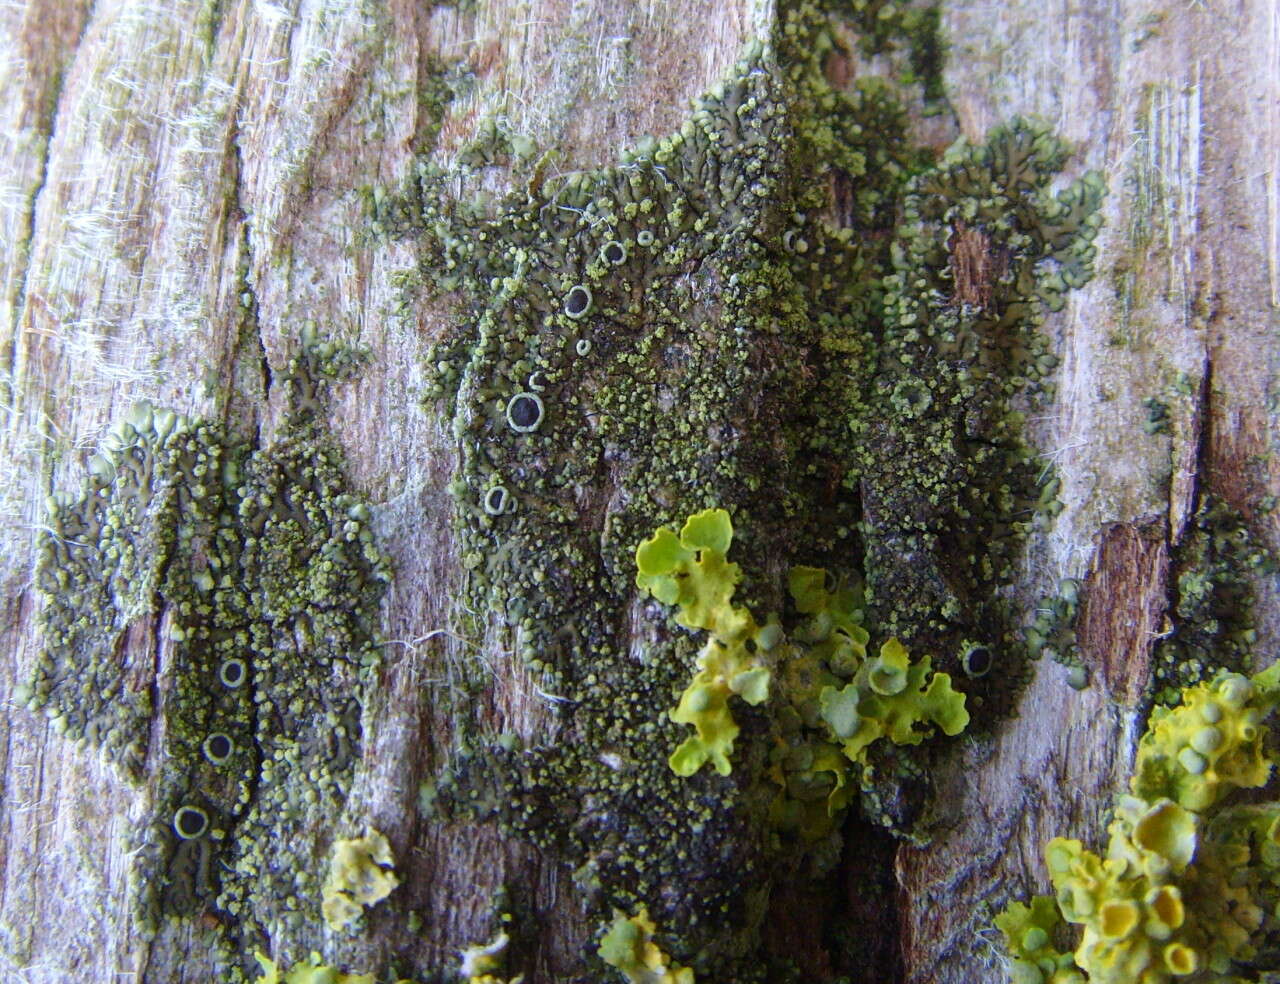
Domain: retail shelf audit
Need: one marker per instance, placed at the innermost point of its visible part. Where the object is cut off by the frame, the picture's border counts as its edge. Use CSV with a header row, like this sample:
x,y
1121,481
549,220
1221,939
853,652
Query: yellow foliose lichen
x,y
823,672
629,946
310,971
360,874
1189,885
892,697
1030,933
691,571
1195,753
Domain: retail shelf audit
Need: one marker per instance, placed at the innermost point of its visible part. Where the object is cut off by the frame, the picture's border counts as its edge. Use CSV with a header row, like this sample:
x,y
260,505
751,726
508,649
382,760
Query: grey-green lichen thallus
x,y
788,310
251,574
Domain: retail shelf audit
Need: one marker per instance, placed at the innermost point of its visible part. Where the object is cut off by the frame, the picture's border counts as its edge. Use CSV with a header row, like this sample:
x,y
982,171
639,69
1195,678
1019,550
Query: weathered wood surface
x,y
158,160
1177,105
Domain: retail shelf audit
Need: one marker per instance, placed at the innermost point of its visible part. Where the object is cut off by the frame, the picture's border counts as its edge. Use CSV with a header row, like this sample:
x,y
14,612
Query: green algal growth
x,y
252,574
1052,631
785,309
1189,888
969,287
885,26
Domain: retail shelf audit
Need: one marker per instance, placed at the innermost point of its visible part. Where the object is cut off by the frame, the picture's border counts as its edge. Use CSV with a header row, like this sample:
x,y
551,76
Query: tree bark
x,y
166,167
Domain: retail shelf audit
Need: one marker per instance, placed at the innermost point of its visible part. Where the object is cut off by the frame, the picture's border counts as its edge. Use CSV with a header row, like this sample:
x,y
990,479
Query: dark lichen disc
x,y
578,303
190,822
524,412
497,500
232,673
218,748
978,661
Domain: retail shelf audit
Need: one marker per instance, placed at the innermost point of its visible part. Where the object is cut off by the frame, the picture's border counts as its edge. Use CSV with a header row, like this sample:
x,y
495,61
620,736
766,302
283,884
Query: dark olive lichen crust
x,y
1211,624
784,309
250,574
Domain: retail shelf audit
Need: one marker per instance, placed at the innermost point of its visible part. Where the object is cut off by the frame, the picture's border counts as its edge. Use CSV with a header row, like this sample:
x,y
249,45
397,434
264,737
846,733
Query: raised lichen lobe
x,y
629,946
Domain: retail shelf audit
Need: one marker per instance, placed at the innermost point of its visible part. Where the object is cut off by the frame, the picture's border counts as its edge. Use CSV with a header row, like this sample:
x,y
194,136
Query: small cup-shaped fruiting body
x,y
1035,938
101,470
498,501
583,347
1192,761
141,416
1180,960
770,635
1118,918
845,656
164,422
577,303
1169,831
232,673
218,747
614,253
1234,691
190,822
912,397
839,709
793,241
977,662
1166,912
644,238
817,628
1207,740
524,412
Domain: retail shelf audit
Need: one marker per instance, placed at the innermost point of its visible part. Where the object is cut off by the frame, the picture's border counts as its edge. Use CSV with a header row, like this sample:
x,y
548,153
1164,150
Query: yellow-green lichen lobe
x,y
361,874
1188,887
629,946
